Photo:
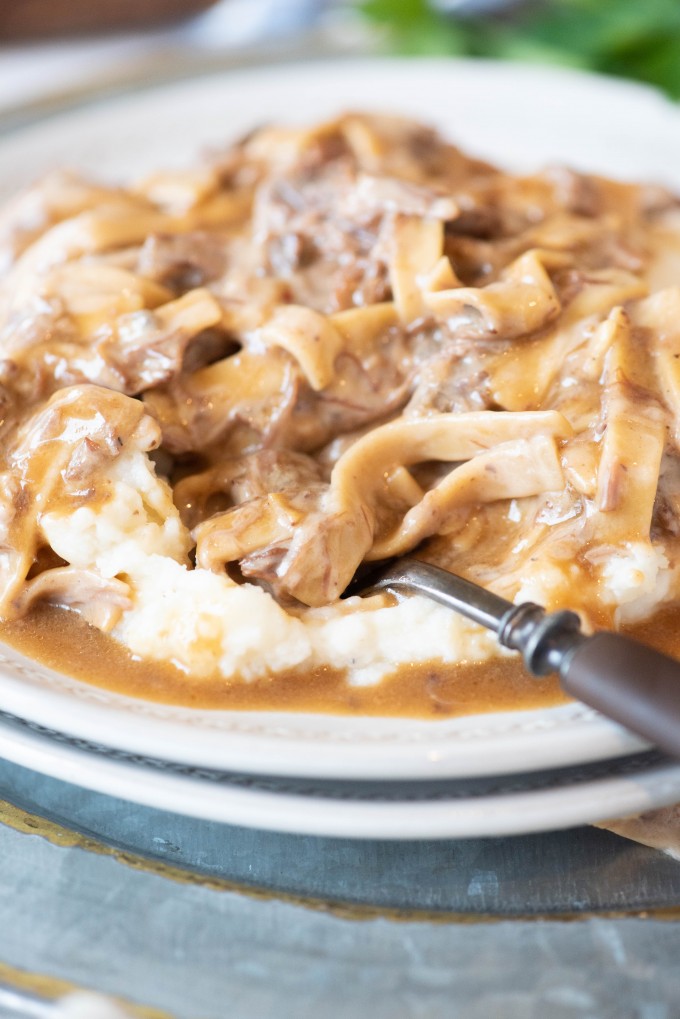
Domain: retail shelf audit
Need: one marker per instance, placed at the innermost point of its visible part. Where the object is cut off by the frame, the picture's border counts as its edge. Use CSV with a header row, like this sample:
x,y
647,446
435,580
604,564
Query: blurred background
x,y
50,49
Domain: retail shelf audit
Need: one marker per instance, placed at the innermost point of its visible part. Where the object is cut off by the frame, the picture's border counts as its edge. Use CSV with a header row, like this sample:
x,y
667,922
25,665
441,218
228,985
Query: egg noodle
x,y
224,389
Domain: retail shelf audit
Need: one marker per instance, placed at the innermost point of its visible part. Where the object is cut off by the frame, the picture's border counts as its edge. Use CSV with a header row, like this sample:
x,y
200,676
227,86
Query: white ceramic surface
x,y
516,805
521,116
321,746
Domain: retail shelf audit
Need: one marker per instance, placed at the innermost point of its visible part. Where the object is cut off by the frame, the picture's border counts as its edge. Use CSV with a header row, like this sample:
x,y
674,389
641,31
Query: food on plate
x,y
224,389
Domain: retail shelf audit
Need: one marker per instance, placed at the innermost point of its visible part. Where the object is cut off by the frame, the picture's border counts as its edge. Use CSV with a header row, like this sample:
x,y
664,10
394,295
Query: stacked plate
x,y
354,777
380,778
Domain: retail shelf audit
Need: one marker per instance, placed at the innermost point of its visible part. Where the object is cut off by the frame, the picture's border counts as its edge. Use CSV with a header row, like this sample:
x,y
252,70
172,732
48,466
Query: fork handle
x,y
629,682
625,680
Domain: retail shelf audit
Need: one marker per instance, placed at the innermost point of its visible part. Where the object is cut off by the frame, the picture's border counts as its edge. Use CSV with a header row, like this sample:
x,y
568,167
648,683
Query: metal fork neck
x,y
544,640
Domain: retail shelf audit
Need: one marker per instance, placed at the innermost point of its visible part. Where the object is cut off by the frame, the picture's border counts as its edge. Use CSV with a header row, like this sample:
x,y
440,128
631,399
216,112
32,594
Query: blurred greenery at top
x,y
632,38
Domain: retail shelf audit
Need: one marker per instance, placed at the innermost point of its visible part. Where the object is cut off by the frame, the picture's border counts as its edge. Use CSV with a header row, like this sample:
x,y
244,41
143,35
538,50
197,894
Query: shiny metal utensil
x,y
625,680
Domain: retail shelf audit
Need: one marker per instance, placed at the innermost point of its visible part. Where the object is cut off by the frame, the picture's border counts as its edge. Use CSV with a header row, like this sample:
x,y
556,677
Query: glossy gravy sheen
x,y
62,641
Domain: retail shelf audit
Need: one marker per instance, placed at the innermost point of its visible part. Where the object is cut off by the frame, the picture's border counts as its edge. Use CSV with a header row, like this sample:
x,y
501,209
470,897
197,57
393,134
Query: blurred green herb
x,y
632,38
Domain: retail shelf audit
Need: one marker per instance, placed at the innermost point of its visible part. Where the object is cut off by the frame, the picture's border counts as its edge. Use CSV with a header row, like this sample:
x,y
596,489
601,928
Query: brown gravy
x,y
62,641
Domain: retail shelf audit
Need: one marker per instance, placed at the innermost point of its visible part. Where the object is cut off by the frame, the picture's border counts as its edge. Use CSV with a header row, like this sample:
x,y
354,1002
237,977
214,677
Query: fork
x,y
620,677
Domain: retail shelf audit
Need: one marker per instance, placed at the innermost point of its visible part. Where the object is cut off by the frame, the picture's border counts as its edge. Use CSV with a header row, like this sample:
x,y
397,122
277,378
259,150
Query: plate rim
x,y
339,747
482,816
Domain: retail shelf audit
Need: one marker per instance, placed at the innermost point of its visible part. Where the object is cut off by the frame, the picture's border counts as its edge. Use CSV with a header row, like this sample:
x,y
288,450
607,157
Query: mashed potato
x,y
209,625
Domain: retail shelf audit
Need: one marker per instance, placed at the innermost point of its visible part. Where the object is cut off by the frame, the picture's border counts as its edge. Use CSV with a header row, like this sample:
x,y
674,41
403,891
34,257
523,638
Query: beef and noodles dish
x,y
224,389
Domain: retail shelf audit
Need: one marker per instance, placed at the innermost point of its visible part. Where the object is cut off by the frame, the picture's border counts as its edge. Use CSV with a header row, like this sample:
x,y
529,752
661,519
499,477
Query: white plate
x,y
523,117
429,810
321,746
